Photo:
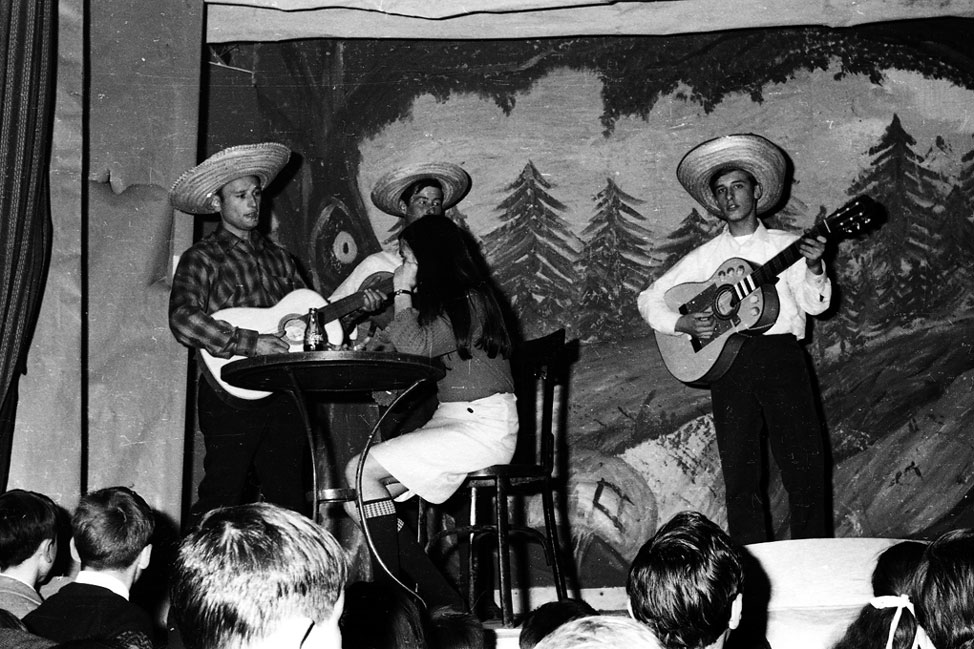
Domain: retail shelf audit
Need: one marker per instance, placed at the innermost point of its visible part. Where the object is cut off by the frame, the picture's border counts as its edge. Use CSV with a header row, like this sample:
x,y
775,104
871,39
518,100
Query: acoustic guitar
x,y
288,319
743,300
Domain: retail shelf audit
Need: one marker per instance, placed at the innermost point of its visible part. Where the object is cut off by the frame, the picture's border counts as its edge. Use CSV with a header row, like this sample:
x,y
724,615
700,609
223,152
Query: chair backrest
x,y
539,366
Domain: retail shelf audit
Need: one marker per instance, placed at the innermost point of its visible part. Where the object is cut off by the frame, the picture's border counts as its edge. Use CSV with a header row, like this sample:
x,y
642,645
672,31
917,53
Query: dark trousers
x,y
768,387
267,435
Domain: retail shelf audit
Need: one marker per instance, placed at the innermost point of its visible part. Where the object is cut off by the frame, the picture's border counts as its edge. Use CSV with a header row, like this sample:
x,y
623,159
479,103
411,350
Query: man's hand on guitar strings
x,y
698,325
812,249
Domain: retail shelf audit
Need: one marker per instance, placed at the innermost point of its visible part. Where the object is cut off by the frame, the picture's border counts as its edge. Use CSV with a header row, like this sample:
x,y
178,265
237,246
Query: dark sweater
x,y
465,380
83,611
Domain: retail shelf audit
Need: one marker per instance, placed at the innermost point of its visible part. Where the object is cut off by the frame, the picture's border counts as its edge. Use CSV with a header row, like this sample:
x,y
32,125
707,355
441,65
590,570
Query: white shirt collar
x,y
105,580
760,234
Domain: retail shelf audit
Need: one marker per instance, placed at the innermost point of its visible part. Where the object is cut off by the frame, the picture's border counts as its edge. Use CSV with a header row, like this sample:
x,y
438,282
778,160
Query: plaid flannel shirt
x,y
222,271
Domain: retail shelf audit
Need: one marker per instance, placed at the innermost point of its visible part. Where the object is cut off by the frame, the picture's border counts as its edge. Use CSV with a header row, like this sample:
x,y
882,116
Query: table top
x,y
332,371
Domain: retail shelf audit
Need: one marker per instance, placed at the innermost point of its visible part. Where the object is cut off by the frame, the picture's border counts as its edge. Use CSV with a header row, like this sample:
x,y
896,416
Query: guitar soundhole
x,y
724,304
294,330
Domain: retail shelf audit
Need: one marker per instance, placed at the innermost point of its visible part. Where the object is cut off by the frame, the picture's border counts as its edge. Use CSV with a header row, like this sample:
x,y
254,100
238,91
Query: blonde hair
x,y
601,632
244,569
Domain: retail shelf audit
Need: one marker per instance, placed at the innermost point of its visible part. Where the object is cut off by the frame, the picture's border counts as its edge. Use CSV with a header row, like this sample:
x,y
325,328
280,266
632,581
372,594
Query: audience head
x,y
895,567
943,590
381,615
601,632
891,611
453,629
258,576
28,526
111,530
685,583
538,623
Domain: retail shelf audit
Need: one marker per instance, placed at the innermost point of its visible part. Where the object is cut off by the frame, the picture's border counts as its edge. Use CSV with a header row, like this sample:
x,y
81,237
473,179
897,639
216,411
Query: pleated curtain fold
x,y
27,54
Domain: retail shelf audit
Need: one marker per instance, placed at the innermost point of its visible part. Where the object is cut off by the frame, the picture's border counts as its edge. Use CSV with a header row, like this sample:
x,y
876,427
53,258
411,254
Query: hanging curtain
x,y
27,48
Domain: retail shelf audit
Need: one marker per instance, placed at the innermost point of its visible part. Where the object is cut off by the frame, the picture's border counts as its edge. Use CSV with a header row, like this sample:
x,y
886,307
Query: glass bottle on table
x,y
314,339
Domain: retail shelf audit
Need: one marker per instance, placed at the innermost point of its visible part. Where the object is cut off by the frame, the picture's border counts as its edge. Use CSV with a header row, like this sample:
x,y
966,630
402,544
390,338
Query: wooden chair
x,y
539,365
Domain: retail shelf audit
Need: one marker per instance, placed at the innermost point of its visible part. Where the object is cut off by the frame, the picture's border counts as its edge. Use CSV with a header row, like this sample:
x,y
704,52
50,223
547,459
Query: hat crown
x,y
192,192
749,152
453,179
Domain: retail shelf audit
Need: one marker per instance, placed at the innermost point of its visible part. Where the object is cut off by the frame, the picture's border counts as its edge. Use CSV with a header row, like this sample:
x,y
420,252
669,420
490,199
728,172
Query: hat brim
x,y
387,193
193,191
751,153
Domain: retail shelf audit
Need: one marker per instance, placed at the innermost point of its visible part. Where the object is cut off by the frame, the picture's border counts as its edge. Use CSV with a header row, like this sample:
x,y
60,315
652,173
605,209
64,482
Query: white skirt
x,y
462,436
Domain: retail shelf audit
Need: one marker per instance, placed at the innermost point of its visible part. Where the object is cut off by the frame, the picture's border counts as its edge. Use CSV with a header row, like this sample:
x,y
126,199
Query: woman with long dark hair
x,y
446,308
889,620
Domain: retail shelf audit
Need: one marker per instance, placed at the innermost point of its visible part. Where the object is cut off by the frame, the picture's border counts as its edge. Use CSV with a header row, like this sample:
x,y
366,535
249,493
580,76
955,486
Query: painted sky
x,y
826,126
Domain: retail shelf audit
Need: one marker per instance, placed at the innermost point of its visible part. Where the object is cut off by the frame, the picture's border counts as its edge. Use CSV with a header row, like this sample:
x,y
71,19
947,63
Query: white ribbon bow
x,y
899,602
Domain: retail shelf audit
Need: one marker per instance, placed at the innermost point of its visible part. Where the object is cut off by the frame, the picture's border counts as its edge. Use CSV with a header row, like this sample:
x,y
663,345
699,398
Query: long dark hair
x,y
452,281
891,577
943,589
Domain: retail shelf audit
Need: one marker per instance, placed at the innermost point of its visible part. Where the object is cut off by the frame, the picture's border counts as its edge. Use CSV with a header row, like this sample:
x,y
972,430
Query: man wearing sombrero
x,y
236,266
768,386
410,193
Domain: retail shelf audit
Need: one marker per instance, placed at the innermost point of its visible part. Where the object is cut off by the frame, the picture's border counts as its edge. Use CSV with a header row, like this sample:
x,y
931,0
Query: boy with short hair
x,y
258,577
685,583
111,533
28,548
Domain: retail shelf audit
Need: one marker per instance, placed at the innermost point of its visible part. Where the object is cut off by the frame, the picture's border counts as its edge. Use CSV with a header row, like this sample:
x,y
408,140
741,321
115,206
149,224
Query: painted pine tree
x,y
961,241
614,265
854,300
533,253
958,249
692,231
964,236
899,254
966,176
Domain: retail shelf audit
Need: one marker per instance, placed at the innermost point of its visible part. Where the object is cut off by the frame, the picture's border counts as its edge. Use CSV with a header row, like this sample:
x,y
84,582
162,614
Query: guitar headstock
x,y
855,217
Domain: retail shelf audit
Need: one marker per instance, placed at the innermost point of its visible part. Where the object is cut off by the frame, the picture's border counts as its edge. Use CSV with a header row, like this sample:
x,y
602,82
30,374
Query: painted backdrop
x,y
572,145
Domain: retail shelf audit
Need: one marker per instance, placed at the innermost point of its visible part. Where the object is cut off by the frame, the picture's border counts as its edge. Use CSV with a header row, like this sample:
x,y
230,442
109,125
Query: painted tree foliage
x,y
900,251
615,262
533,253
324,97
913,268
692,231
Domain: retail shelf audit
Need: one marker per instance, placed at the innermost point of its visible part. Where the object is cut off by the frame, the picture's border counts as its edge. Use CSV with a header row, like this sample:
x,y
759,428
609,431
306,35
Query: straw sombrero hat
x,y
752,153
389,188
192,192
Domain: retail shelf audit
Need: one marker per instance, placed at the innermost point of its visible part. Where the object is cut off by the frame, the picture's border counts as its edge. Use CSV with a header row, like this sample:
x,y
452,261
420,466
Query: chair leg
x,y
422,515
472,558
551,541
504,555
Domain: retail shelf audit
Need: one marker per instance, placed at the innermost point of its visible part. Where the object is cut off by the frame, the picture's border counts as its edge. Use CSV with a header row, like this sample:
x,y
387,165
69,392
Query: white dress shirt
x,y
800,291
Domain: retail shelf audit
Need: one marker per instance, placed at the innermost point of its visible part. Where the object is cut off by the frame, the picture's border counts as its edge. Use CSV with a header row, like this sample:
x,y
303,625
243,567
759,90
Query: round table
x,y
303,374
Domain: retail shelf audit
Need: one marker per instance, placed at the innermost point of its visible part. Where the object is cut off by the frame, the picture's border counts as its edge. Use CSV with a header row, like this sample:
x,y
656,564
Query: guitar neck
x,y
346,305
779,263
